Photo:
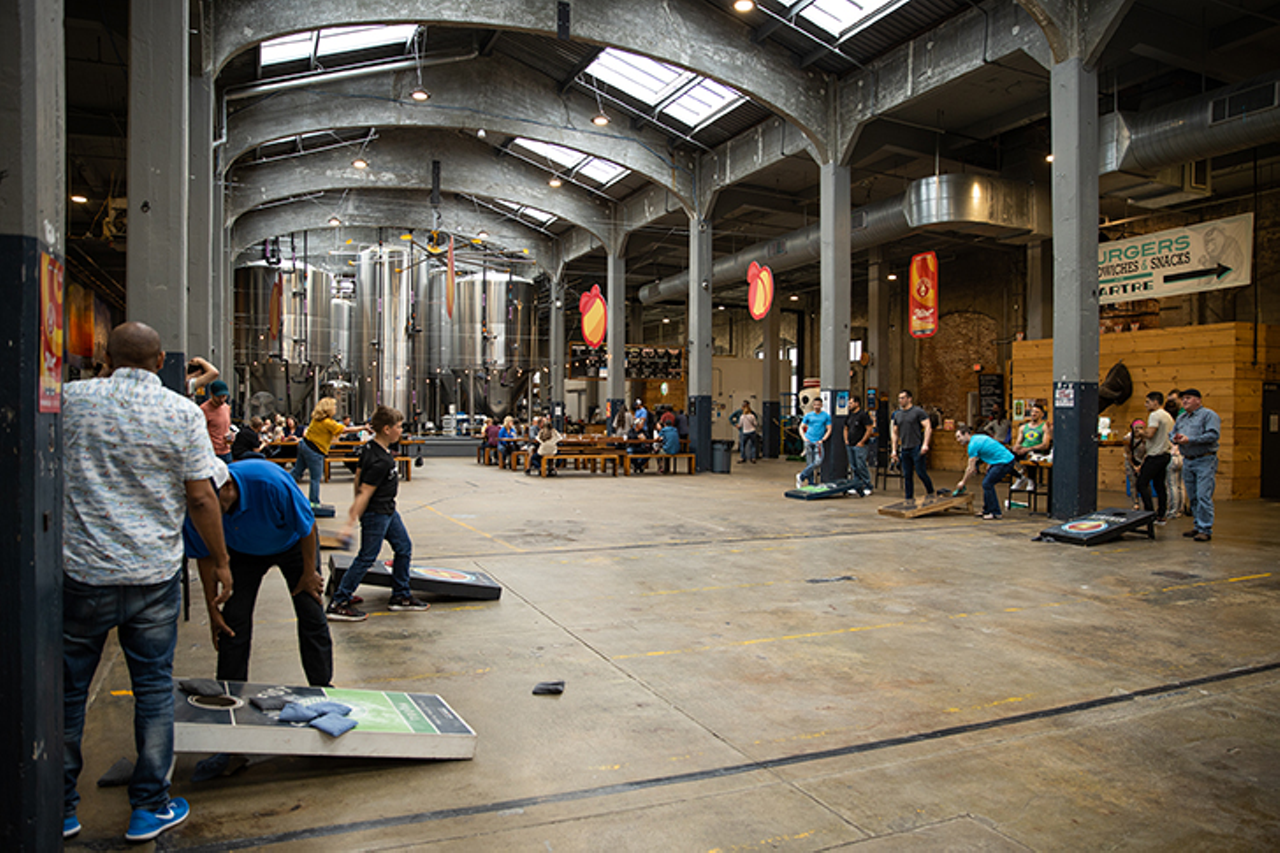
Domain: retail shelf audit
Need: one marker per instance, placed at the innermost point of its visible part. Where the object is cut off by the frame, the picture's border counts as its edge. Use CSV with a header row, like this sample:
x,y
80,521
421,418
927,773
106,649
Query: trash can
x,y
721,456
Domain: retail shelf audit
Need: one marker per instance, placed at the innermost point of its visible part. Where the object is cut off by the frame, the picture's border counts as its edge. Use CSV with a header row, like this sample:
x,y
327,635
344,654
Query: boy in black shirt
x,y
377,481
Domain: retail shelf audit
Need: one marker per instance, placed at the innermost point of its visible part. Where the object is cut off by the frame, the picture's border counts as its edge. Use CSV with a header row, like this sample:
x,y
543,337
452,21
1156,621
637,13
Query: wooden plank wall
x,y
1218,360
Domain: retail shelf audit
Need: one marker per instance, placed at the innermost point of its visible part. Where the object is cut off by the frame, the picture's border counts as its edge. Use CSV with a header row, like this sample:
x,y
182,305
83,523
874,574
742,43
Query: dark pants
x,y
995,474
145,619
913,462
314,643
374,528
1152,473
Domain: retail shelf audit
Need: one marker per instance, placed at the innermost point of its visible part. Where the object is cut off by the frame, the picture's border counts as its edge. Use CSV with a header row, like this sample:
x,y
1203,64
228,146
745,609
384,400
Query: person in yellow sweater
x,y
314,446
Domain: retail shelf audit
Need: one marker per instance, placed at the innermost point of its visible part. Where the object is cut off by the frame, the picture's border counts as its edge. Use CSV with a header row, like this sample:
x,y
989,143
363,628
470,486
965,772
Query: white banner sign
x,y
1207,256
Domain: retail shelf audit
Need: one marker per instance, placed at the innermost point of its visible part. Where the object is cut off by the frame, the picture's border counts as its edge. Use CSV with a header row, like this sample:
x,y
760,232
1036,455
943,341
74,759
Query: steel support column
x,y
159,36
201,318
556,365
616,332
1074,105
32,215
836,277
700,342
770,397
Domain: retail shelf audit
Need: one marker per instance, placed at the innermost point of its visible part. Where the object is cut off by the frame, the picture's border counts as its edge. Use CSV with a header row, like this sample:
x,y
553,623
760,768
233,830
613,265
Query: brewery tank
x,y
274,325
381,330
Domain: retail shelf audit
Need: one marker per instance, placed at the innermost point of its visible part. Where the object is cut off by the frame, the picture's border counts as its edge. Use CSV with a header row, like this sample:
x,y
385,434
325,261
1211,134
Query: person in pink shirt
x,y
217,416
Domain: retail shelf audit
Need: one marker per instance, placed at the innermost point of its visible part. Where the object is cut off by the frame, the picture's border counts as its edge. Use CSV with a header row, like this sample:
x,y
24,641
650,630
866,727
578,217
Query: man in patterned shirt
x,y
137,457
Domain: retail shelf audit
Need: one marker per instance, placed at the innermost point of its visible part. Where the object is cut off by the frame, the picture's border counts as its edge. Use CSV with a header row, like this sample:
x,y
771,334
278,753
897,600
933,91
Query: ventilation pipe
x,y
970,204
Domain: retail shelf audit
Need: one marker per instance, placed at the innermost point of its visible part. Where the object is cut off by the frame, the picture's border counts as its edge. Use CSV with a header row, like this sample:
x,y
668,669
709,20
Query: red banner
x,y
595,316
276,309
51,326
924,295
759,291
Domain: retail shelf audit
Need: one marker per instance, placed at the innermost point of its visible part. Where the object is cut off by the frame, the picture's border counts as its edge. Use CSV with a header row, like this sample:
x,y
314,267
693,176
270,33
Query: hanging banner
x,y
1208,256
275,310
78,314
450,281
50,334
924,295
595,316
759,291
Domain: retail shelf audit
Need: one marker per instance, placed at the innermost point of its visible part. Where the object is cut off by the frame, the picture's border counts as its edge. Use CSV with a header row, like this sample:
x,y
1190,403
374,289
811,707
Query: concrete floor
x,y
747,672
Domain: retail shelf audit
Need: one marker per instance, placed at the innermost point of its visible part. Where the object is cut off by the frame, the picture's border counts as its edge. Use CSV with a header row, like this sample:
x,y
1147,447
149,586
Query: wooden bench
x,y
580,457
673,456
519,458
485,453
405,463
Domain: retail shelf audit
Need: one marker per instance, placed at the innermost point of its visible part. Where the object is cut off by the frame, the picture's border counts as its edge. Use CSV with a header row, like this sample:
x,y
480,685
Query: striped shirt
x,y
129,447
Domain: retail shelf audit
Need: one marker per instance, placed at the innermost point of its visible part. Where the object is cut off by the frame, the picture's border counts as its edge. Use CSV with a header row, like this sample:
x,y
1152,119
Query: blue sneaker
x,y
145,825
70,826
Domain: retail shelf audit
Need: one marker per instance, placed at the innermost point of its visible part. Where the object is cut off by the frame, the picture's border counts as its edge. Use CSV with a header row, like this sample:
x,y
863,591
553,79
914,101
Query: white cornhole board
x,y
391,725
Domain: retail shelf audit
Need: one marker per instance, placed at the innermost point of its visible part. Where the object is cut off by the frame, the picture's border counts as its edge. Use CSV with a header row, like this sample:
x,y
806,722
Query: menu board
x,y
642,362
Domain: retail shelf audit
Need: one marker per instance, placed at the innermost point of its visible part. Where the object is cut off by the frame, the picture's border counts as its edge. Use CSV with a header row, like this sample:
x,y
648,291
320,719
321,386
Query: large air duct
x,y
1008,211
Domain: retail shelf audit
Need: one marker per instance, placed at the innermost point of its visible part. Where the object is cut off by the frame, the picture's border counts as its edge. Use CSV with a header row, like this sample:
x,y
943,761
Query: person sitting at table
x,y
291,431
314,446
548,445
249,442
506,440
1034,438
668,442
491,435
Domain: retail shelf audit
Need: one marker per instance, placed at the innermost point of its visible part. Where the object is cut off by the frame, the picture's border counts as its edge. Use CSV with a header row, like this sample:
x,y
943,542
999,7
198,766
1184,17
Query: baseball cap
x,y
1190,392
220,473
218,388
639,402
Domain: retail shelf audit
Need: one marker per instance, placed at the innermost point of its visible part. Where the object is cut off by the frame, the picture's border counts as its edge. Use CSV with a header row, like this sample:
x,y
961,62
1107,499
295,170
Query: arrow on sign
x,y
1217,272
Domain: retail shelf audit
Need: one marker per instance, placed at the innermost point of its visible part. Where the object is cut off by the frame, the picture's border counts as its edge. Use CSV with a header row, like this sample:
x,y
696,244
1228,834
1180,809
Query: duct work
x,y
1171,141
1007,211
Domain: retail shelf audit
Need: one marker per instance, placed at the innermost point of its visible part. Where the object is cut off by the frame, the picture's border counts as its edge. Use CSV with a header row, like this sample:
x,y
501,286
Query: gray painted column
x,y
1074,106
32,212
1039,307
770,399
879,369
158,145
700,342
616,332
557,363
201,321
836,277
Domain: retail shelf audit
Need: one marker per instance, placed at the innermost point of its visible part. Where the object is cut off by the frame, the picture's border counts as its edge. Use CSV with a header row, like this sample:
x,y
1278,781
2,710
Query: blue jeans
x,y
749,451
858,471
913,462
309,460
375,527
146,623
813,456
995,474
1199,476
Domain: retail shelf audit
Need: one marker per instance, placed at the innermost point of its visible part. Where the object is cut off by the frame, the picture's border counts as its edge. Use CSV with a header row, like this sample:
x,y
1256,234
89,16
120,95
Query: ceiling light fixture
x,y
79,199
600,120
555,182
892,276
333,220
795,297
482,235
360,163
480,133
1048,158
743,5
420,94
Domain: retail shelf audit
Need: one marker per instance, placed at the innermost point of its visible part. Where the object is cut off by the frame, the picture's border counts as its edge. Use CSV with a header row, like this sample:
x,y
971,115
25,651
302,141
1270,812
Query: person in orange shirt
x,y
217,417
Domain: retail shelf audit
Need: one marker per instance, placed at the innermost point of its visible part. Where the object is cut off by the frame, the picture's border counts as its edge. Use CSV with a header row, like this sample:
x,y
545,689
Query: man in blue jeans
x,y
858,431
910,431
137,457
999,461
377,482
1196,433
816,429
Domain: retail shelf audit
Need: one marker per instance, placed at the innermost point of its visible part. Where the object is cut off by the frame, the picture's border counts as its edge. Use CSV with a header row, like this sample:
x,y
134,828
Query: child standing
x,y
377,482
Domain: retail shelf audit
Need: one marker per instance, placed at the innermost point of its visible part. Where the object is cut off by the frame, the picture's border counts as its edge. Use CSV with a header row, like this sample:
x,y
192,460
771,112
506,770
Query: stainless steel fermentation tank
x,y
284,334
479,355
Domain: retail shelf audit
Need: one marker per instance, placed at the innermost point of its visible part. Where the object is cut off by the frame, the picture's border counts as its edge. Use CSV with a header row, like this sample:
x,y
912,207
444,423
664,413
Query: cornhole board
x,y
1105,525
331,542
931,505
823,490
323,511
449,583
391,725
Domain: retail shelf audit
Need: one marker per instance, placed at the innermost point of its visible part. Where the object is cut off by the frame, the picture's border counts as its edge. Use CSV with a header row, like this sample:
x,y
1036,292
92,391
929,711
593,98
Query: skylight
x,y
638,76
573,162
332,41
843,17
539,216
680,94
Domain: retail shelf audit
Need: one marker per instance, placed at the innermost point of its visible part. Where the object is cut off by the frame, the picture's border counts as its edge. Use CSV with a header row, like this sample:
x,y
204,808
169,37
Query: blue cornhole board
x,y
323,511
823,490
432,580
1105,525
389,724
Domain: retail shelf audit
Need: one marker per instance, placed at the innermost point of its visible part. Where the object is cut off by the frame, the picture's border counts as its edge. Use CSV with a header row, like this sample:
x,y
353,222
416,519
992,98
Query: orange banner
x,y
924,295
759,291
595,317
51,326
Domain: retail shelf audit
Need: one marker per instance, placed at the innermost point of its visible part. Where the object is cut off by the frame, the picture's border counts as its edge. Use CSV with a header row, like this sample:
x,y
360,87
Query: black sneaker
x,y
344,612
408,603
